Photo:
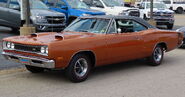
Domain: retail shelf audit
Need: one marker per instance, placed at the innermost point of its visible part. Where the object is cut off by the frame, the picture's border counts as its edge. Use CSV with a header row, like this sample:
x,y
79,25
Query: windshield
x,y
37,4
77,4
157,5
89,25
112,3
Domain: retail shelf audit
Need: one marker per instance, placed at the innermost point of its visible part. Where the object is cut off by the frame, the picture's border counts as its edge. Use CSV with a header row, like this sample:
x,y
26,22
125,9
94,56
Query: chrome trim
x,y
41,62
5,48
27,52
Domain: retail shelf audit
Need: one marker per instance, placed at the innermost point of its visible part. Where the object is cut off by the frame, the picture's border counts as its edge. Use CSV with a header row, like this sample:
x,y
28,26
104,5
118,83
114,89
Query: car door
x,y
4,15
14,12
124,42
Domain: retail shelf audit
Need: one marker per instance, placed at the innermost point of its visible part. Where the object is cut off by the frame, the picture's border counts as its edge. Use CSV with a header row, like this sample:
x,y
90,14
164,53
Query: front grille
x,y
162,14
134,13
55,19
27,48
164,20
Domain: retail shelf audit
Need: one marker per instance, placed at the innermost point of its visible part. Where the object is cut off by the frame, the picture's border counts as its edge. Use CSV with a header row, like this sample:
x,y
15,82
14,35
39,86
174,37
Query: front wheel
x,y
157,56
170,26
79,68
34,69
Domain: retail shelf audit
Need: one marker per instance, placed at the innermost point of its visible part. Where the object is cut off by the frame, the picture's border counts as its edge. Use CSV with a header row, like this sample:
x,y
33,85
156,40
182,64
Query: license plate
x,y
24,61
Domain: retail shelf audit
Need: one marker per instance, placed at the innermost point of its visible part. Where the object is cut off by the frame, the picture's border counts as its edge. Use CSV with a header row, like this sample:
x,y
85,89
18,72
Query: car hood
x,y
162,10
43,12
47,38
116,10
91,11
121,8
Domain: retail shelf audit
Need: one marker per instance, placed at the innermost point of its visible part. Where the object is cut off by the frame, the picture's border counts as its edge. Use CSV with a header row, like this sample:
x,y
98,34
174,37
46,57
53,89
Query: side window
x,y
14,5
138,27
125,26
88,2
97,3
3,3
60,3
128,26
142,6
112,28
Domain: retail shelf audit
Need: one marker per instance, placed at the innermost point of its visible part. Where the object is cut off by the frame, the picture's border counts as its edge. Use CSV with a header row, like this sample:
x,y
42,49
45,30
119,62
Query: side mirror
x,y
15,7
64,7
119,30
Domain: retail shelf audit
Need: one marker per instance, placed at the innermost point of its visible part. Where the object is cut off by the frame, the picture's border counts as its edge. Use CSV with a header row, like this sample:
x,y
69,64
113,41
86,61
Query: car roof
x,y
121,17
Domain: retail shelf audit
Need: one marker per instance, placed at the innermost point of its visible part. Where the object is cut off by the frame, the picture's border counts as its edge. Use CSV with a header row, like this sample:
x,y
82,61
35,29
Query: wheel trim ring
x,y
158,54
81,67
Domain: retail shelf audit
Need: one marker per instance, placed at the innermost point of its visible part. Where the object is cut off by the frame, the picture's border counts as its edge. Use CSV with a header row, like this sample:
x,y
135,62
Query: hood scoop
x,y
34,35
59,37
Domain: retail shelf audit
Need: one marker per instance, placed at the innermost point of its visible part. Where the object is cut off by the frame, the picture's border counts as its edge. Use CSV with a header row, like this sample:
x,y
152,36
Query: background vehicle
x,y
41,17
71,8
182,29
89,42
176,5
112,7
161,14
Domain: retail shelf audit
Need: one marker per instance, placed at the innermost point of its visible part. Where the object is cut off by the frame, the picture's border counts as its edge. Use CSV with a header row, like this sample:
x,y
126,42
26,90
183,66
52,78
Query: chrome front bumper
x,y
32,61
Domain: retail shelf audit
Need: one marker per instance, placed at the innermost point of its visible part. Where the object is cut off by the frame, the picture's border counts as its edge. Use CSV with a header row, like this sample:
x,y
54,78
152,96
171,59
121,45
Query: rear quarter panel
x,y
153,37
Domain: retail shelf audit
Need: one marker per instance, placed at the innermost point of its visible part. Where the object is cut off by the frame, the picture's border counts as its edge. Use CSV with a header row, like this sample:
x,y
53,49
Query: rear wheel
x,y
179,10
34,69
79,68
157,56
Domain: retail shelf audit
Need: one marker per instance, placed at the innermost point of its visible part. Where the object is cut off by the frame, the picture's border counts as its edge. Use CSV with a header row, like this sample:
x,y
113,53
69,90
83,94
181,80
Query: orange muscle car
x,y
89,42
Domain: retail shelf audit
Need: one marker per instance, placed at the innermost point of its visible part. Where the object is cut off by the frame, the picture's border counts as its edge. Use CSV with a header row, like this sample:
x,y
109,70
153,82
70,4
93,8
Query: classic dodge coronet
x,y
89,42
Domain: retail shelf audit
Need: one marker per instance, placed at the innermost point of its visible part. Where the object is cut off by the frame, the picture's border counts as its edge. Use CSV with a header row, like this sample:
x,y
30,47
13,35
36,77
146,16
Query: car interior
x,y
129,26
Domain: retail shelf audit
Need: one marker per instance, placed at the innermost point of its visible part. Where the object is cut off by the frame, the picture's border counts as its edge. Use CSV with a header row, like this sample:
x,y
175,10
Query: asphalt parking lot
x,y
128,79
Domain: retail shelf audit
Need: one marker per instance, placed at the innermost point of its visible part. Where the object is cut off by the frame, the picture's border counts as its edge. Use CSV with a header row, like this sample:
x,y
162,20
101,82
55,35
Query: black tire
x,y
80,74
180,10
182,46
155,59
145,18
34,69
169,26
15,30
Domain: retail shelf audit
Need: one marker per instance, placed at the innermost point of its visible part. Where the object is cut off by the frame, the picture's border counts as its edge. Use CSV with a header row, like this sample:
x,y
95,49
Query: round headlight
x,y
42,50
8,45
12,45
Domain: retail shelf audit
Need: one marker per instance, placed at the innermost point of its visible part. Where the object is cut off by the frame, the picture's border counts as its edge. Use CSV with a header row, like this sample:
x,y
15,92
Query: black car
x,y
182,29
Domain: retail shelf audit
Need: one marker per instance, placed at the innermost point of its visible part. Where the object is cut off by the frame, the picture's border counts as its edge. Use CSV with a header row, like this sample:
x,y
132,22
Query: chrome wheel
x,y
158,53
81,67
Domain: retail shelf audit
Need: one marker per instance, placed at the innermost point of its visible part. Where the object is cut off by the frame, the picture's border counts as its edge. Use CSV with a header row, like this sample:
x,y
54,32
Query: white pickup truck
x,y
112,7
176,5
161,14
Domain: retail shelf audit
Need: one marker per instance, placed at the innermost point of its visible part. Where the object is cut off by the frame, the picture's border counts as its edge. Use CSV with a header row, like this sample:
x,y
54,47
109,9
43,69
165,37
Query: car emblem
x,y
34,49
56,19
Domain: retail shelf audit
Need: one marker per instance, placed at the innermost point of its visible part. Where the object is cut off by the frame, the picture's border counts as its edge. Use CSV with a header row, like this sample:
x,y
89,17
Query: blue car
x,y
71,8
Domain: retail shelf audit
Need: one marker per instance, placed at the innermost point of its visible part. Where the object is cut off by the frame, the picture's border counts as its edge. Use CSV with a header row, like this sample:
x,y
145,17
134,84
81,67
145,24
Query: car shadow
x,y
102,72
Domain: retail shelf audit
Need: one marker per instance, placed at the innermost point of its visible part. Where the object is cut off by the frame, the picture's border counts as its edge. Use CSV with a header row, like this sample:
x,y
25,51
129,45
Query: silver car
x,y
42,17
